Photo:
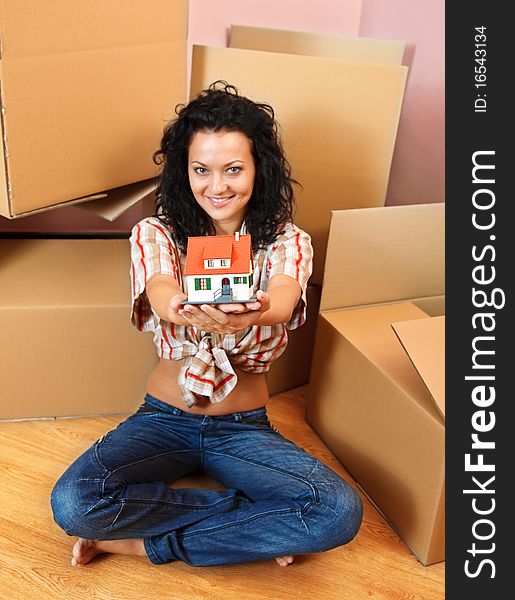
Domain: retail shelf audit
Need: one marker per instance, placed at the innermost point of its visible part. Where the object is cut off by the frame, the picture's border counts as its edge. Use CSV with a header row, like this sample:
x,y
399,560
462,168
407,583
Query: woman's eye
x,y
234,169
200,170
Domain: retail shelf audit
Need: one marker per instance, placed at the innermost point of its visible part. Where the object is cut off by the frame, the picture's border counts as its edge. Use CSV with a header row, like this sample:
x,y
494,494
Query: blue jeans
x,y
278,500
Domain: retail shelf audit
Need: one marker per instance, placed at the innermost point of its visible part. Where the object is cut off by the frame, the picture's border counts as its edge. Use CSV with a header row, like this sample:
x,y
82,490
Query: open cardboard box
x,y
106,81
369,396
68,347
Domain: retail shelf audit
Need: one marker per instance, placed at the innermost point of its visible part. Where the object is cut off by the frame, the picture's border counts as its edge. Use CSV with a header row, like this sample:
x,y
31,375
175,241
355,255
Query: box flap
x,y
315,44
370,331
108,205
115,202
424,342
384,254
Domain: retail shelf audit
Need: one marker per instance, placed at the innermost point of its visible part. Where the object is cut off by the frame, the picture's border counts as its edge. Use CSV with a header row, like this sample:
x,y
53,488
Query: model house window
x,y
216,263
240,280
202,283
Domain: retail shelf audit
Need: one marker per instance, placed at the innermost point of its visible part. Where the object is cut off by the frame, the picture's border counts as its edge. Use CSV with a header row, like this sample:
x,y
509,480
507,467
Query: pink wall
x,y
210,20
417,174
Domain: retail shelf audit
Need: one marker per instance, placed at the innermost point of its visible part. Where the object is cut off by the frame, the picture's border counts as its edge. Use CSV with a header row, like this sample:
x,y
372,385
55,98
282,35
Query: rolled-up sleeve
x,y
153,252
292,255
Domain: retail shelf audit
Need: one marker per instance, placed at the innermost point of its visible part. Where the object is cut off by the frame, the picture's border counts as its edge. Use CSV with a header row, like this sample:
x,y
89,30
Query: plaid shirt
x,y
209,357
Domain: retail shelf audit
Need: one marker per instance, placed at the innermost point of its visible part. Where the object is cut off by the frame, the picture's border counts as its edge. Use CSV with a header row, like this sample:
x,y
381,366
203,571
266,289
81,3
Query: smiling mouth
x,y
216,201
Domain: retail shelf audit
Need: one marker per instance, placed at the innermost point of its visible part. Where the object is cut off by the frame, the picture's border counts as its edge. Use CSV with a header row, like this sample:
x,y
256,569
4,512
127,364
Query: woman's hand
x,y
244,307
224,318
172,312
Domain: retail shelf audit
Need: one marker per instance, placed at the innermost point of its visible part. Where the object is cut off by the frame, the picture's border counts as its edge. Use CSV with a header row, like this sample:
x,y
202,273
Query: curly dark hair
x,y
221,107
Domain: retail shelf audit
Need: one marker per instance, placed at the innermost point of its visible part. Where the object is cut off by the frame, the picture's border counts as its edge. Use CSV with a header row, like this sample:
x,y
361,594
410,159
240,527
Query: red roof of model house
x,y
215,247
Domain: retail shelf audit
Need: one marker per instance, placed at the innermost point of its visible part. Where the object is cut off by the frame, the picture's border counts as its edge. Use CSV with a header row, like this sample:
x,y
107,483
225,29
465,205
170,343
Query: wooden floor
x,y
35,553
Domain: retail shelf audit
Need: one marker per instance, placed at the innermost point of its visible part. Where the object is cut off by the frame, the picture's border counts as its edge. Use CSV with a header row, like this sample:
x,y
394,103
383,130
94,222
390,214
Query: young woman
x,y
223,172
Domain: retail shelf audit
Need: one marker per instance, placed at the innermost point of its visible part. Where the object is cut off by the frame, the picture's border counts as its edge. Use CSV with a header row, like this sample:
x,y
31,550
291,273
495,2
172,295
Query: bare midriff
x,y
250,392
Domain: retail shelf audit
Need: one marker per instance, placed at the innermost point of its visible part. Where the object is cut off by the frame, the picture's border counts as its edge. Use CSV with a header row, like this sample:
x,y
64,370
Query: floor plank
x,y
35,553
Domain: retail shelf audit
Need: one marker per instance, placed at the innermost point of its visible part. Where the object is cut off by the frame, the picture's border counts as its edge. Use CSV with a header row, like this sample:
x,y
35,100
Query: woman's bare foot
x,y
284,561
85,551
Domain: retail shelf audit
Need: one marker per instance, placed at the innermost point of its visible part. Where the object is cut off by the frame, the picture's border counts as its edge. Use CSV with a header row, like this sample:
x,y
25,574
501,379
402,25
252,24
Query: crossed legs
x,y
278,501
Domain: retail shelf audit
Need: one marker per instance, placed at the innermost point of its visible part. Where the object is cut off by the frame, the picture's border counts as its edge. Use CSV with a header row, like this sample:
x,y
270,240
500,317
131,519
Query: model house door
x,y
226,287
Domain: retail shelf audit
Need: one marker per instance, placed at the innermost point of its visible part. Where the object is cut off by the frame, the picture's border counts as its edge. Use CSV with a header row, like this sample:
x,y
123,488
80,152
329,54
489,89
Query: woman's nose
x,y
217,184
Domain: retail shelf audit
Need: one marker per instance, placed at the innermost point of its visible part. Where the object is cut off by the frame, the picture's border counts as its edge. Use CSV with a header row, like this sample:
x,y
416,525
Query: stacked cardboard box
x,y
68,347
376,388
86,89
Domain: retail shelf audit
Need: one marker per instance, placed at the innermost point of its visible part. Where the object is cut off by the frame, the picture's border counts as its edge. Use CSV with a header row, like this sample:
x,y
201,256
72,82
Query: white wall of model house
x,y
204,286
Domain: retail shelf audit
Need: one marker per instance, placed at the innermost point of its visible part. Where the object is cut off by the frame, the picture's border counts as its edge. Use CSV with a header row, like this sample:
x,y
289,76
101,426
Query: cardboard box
x,y
86,91
68,347
366,399
338,131
315,44
292,368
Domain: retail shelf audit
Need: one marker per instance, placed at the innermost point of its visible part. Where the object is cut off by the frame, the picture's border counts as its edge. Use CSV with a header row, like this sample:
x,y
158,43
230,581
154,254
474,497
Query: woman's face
x,y
221,172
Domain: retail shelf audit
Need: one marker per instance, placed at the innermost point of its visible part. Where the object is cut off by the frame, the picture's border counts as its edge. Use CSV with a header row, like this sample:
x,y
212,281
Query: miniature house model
x,y
219,269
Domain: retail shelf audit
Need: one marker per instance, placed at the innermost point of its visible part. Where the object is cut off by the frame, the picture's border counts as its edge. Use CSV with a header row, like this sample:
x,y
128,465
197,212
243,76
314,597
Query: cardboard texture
x,y
424,342
314,44
384,255
367,400
433,306
338,132
68,347
292,368
108,76
115,202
